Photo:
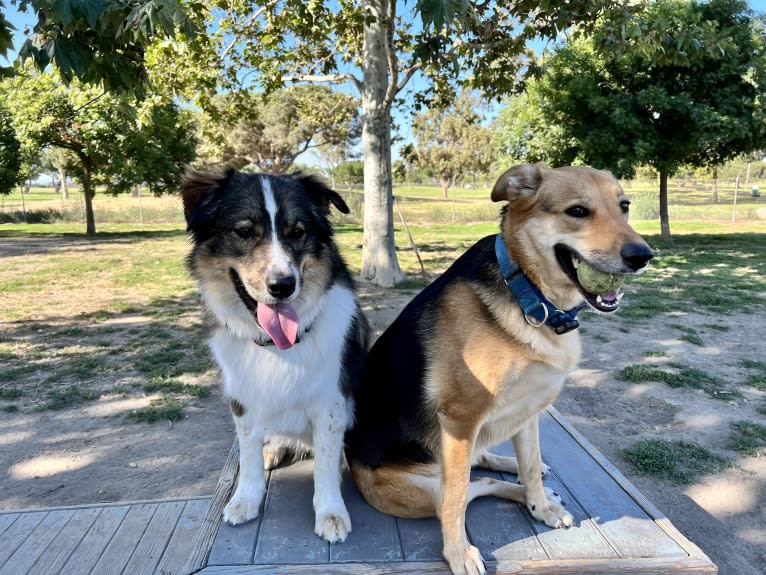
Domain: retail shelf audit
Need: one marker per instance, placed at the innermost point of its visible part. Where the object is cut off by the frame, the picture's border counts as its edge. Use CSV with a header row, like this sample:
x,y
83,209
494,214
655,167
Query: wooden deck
x,y
617,530
141,537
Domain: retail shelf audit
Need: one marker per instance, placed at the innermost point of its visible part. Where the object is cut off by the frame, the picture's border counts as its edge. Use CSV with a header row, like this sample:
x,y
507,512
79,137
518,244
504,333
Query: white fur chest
x,y
283,385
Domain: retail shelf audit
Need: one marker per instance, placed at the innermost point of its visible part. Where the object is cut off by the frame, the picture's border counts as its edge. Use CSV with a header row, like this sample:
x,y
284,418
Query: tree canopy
x,y
10,154
685,89
116,143
452,140
269,131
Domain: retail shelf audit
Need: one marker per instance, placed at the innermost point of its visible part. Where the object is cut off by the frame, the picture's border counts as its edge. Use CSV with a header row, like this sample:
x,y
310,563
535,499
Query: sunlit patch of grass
x,y
71,396
757,379
680,377
748,438
656,353
10,393
160,385
679,461
162,408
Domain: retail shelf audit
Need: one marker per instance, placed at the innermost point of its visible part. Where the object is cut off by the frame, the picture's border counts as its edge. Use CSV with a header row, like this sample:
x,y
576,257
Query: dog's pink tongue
x,y
281,323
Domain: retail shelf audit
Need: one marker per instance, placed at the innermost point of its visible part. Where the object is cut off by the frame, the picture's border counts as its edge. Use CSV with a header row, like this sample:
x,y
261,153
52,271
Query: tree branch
x,y
326,78
408,73
393,67
241,28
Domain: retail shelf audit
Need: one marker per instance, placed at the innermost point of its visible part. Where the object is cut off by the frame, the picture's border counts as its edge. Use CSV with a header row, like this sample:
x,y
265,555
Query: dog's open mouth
x,y
599,288
278,320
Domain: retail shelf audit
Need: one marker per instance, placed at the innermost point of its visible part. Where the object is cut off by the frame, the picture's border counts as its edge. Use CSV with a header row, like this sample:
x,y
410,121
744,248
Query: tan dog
x,y
476,356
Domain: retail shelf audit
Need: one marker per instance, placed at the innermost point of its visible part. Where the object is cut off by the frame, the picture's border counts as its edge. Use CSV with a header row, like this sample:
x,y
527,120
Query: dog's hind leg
x,y
485,459
332,521
541,503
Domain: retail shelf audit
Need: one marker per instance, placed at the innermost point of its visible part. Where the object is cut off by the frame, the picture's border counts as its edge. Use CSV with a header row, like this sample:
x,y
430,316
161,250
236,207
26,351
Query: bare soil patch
x,y
91,451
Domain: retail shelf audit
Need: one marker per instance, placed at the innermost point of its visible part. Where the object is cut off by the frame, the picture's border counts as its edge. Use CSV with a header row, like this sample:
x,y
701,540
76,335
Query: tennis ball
x,y
598,282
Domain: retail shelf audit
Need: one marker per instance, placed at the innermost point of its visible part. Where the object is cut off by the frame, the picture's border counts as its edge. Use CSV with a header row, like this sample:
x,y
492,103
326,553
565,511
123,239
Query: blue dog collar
x,y
534,305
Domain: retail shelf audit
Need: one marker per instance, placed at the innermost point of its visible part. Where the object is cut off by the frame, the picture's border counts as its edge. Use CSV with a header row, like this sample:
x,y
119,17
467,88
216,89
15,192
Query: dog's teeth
x,y
599,299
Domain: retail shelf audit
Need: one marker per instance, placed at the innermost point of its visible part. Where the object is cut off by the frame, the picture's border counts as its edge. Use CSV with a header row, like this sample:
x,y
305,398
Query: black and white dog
x,y
289,334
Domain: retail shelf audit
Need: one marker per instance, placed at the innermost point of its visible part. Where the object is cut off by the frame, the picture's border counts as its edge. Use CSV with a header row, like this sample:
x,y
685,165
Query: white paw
x,y
545,469
241,509
333,526
466,561
552,514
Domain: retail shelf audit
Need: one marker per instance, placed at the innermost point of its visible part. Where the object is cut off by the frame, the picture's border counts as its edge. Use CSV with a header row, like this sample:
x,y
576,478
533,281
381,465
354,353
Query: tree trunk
x,y
664,218
64,185
444,183
87,191
379,263
714,196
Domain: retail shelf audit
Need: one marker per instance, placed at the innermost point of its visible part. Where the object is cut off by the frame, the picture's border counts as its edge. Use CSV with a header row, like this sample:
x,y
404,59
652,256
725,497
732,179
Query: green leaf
x,y
441,12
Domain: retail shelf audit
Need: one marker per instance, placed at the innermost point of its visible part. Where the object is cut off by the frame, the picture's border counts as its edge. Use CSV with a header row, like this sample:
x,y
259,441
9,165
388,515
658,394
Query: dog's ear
x,y
518,182
200,192
322,195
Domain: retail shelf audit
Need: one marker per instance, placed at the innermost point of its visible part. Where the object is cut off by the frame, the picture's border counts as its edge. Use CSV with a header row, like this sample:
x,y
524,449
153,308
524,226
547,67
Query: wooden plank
x,y
124,541
36,543
235,545
659,518
212,519
180,545
55,556
499,528
90,548
150,547
287,527
649,566
584,540
627,527
421,539
6,520
424,568
18,532
373,537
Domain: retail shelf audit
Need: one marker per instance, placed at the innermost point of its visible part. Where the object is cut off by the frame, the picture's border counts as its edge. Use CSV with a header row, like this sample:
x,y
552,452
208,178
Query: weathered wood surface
x,y
617,530
139,538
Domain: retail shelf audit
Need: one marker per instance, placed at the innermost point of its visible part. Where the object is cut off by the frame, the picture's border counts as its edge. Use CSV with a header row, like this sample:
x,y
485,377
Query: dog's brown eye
x,y
297,232
578,212
245,231
625,206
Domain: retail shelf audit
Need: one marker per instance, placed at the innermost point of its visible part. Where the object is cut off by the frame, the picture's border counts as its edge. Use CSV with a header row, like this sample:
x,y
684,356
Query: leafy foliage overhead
x,y
98,41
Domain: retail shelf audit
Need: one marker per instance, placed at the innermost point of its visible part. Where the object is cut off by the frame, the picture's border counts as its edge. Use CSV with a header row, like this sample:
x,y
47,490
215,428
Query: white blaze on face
x,y
280,261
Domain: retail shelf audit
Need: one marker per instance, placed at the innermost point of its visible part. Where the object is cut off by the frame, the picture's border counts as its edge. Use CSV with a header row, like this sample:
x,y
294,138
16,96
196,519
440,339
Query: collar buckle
x,y
537,310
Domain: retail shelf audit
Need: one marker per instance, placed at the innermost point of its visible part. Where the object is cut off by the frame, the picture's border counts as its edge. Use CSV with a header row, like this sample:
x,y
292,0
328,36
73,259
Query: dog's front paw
x,y
333,526
552,514
241,509
467,561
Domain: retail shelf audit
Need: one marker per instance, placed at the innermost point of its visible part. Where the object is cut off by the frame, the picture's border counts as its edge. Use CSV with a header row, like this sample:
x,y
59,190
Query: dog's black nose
x,y
282,286
636,256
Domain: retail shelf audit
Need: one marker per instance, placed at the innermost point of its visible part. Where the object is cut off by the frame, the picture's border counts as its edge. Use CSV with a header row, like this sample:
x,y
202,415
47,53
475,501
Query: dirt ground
x,y
90,453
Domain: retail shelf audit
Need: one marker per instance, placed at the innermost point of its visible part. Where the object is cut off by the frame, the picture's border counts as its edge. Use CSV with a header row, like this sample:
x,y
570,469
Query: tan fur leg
x,y
485,459
457,445
526,443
